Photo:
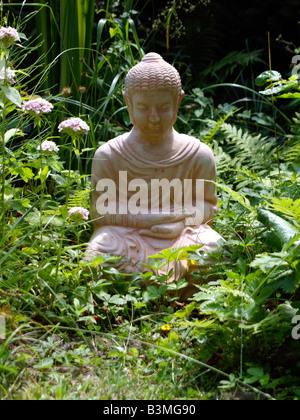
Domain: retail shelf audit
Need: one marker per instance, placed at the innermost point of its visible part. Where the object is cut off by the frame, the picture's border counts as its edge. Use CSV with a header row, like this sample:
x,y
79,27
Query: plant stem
x,y
69,174
3,165
3,174
43,183
273,102
58,258
77,237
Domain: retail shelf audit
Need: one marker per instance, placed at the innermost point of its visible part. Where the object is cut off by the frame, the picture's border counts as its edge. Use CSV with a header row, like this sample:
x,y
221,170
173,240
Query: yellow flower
x,y
166,327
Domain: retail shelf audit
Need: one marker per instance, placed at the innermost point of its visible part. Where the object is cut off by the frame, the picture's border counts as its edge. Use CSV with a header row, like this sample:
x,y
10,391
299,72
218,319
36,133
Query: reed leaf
x,y
67,30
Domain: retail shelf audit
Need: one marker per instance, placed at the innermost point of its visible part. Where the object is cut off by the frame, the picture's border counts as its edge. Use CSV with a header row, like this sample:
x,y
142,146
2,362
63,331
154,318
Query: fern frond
x,y
241,199
236,59
81,198
253,151
216,126
286,206
293,154
296,126
224,161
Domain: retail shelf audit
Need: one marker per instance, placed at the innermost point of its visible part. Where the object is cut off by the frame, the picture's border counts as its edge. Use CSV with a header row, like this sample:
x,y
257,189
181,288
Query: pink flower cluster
x,y
48,146
37,106
7,75
8,36
74,126
79,213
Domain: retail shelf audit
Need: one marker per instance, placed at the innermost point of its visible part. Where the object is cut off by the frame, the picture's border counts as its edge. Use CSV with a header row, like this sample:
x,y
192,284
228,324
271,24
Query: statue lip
x,y
154,127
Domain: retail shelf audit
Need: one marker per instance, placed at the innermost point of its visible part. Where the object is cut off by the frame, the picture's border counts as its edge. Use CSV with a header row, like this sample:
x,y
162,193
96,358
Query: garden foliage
x,y
237,329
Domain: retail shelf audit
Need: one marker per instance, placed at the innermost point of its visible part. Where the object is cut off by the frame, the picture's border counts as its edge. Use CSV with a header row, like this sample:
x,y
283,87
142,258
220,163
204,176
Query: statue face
x,y
153,112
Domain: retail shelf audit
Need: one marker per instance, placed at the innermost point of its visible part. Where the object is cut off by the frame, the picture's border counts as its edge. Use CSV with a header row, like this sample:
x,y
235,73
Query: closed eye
x,y
165,106
142,107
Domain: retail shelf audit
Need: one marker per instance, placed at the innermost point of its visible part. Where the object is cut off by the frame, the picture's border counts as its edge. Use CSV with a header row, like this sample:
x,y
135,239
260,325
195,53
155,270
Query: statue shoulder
x,y
206,151
199,149
106,149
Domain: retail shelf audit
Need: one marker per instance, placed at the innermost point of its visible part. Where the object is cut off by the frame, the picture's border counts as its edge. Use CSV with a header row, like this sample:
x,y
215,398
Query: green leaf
x,y
180,284
287,206
263,119
63,210
267,76
100,260
8,368
152,293
24,172
117,300
287,284
53,220
283,229
12,95
273,90
177,254
256,371
184,313
173,336
113,31
290,95
77,304
44,364
155,264
267,262
44,174
232,275
29,251
272,240
12,133
238,197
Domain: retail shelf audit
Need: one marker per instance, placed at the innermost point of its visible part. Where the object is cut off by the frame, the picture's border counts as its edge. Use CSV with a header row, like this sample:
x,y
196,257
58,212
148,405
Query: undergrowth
x,y
77,330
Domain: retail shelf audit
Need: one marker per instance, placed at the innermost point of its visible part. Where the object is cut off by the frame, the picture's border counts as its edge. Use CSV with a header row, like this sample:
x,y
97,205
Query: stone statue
x,y
150,186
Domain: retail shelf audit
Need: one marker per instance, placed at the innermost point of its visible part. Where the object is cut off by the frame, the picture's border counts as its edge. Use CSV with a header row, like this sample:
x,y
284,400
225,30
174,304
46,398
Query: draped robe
x,y
119,234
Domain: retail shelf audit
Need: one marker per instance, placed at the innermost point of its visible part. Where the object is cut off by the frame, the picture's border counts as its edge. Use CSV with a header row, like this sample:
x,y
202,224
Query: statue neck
x,y
159,147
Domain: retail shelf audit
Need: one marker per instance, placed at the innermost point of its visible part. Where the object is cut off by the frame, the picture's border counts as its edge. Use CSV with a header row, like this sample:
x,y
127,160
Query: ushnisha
x,y
129,219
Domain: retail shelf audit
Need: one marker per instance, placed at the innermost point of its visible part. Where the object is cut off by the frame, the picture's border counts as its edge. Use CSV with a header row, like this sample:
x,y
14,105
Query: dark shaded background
x,y
216,29
223,26
201,37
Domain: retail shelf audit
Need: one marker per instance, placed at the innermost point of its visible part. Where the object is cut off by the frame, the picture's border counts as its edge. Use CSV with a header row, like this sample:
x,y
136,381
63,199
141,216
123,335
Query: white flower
x,y
74,126
48,146
37,106
8,36
79,213
7,75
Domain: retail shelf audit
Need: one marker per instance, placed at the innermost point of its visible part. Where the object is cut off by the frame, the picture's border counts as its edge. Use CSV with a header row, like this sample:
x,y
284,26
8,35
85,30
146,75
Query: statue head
x,y
153,73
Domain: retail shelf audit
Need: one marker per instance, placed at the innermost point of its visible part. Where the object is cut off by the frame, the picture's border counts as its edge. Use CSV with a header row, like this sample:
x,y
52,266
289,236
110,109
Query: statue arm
x,y
208,172
103,169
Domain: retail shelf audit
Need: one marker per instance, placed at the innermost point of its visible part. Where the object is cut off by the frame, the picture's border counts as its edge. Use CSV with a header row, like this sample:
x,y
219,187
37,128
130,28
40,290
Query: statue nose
x,y
154,117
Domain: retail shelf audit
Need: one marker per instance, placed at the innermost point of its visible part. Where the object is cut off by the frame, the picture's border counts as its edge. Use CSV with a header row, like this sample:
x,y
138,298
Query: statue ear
x,y
179,100
125,97
127,101
128,104
181,97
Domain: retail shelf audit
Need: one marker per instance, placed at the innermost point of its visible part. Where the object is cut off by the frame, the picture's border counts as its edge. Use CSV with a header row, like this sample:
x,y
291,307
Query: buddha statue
x,y
151,186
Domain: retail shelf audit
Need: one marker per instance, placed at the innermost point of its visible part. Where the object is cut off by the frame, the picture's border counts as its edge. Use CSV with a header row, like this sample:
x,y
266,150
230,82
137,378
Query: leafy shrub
x,y
236,327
